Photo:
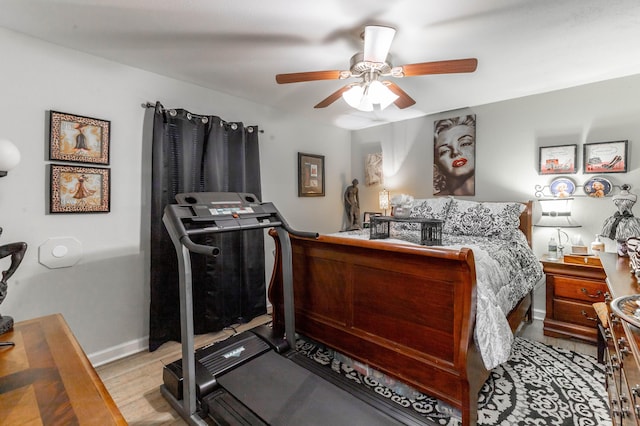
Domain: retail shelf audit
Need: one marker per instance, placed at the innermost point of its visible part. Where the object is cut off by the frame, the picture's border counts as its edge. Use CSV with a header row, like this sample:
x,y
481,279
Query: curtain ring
x,y
205,120
188,116
250,129
234,126
221,123
173,113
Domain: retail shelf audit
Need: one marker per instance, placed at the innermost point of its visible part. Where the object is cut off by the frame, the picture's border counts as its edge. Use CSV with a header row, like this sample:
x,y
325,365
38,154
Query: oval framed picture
x,y
597,187
562,187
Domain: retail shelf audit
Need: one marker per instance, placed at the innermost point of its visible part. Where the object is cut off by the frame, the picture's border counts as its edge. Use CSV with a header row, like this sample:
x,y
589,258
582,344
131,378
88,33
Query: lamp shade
x,y
556,213
9,156
383,199
377,42
379,94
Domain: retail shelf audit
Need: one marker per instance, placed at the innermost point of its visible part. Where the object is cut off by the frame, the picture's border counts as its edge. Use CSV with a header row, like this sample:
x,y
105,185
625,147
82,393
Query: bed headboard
x,y
526,221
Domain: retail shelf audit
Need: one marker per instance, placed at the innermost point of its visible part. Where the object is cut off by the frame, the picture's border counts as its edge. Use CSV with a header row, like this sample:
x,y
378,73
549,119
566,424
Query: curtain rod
x,y
150,105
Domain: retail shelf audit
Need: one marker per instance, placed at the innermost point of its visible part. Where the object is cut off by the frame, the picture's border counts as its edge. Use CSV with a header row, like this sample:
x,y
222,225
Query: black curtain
x,y
197,153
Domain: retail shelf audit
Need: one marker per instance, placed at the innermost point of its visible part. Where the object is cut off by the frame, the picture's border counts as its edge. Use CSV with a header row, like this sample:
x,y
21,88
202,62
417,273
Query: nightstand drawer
x,y
575,313
579,289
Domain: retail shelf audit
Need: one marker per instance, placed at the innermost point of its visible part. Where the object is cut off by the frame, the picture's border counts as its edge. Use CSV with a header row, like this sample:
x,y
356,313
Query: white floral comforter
x,y
506,270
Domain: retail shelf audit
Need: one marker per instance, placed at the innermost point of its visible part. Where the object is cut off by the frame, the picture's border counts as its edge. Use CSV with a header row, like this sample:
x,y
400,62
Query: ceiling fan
x,y
371,66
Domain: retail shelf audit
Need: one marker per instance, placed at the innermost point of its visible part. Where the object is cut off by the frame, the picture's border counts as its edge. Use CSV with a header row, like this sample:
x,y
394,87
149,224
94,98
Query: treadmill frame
x,y
183,244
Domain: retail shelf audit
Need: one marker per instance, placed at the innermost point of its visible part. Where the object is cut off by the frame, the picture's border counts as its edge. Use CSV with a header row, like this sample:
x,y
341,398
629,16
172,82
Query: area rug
x,y
538,385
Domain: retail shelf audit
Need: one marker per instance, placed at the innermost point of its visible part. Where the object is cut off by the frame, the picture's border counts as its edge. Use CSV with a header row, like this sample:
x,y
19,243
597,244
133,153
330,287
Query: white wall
x,y
508,136
105,296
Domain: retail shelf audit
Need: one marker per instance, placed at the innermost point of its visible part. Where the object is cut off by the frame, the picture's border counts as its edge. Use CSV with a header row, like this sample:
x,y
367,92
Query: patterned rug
x,y
539,385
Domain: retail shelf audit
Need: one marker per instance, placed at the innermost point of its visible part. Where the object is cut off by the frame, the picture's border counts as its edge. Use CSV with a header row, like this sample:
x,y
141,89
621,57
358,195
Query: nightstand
x,y
572,288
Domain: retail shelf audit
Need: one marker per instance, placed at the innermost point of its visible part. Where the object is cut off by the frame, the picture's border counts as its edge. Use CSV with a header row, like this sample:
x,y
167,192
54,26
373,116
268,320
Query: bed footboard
x,y
406,311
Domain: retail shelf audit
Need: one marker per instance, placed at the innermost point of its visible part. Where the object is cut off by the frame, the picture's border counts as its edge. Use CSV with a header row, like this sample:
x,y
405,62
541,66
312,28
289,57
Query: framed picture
x,y
310,175
605,157
79,189
78,139
367,218
556,160
454,158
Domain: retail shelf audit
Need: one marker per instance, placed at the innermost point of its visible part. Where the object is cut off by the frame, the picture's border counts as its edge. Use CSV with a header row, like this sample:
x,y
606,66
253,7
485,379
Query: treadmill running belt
x,y
283,393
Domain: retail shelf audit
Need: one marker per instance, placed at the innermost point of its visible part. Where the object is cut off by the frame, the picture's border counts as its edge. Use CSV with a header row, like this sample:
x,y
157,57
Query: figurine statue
x,y
352,206
16,250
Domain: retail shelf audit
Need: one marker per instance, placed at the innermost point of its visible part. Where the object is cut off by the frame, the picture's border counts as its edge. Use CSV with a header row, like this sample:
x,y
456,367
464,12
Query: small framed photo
x,y
557,160
79,189
310,175
605,157
78,139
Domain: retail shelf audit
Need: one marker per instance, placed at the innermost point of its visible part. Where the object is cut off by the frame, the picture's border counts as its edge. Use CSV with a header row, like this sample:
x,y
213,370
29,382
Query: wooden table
x,y
46,378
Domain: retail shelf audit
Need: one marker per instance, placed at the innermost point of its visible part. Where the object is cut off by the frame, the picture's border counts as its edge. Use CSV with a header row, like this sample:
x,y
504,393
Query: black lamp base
x,y
6,324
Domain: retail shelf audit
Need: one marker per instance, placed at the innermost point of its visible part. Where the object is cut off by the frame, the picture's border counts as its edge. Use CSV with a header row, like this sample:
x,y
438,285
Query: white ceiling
x,y
523,47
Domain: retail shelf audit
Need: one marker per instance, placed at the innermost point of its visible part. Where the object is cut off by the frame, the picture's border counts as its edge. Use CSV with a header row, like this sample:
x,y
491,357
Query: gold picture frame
x,y
78,139
77,189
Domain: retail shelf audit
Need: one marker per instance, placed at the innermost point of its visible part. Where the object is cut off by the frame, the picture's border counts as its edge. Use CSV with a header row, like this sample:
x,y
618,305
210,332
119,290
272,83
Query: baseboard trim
x,y
114,353
539,314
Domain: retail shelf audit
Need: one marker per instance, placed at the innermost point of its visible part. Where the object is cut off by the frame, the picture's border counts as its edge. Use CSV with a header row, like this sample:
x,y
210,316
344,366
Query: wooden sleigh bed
x,y
407,311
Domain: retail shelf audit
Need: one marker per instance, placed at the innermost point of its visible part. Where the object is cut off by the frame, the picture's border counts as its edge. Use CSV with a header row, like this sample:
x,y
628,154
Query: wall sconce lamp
x,y
383,200
9,156
556,213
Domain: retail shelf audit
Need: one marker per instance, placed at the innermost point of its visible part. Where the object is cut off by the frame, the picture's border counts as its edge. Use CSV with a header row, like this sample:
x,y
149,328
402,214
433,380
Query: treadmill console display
x,y
218,210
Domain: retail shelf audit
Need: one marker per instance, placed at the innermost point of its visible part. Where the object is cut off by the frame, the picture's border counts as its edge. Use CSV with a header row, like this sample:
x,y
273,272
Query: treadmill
x,y
255,378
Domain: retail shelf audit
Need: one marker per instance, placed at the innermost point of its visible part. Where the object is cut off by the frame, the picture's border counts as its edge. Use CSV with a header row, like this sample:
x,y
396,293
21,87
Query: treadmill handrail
x,y
199,248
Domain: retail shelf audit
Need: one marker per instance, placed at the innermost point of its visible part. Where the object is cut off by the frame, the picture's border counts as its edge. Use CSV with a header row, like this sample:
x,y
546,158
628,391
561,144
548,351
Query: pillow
x,y
483,219
428,208
431,208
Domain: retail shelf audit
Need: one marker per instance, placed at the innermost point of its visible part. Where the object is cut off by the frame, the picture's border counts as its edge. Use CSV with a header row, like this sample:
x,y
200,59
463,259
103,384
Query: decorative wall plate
x,y
597,187
562,187
627,308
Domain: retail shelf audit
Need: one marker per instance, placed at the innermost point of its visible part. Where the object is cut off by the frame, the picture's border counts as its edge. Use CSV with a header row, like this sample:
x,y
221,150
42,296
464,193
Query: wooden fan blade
x,y
297,77
333,97
404,100
440,67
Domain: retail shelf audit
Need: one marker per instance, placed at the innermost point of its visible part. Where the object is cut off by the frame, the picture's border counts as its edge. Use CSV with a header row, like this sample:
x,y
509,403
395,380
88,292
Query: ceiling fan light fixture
x,y
379,94
377,42
369,96
356,98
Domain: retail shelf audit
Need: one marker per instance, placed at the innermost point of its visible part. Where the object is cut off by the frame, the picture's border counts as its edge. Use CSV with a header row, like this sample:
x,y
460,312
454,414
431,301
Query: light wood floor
x,y
134,382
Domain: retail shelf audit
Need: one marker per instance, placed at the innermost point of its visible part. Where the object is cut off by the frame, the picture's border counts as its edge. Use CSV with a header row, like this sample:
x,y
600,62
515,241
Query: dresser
x,y
571,290
47,379
622,343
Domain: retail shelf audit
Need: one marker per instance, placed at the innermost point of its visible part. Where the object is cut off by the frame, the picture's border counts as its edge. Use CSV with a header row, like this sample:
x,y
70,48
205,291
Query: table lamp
x,y
556,213
383,200
9,156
